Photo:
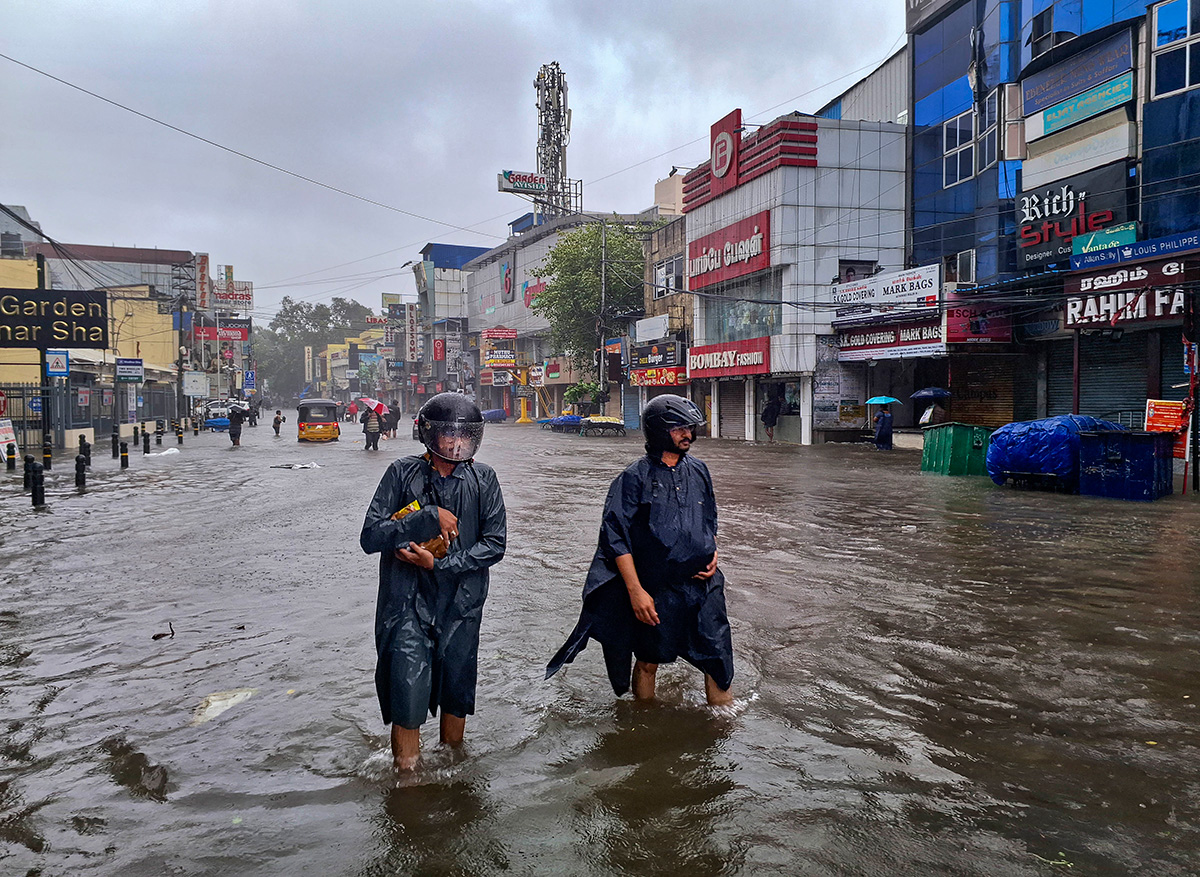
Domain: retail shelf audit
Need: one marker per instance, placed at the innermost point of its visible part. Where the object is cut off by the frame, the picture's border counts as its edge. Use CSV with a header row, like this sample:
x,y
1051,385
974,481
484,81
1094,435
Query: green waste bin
x,y
955,449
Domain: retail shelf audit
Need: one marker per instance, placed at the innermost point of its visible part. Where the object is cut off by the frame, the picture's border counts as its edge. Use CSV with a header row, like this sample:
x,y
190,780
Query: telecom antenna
x,y
563,195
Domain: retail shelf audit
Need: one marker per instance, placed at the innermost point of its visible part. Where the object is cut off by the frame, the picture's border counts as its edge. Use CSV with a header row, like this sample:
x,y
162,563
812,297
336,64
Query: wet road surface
x,y
934,676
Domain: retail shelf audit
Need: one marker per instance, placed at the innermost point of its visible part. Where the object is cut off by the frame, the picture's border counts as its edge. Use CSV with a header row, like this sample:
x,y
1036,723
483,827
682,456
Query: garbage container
x,y
955,449
1131,465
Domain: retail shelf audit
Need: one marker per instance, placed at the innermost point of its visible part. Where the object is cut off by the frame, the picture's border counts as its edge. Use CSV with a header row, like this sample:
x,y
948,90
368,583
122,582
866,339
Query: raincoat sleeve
x,y
379,531
619,509
493,531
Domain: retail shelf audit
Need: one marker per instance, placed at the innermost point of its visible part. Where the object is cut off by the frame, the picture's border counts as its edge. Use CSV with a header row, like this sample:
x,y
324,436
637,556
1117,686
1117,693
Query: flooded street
x,y
933,676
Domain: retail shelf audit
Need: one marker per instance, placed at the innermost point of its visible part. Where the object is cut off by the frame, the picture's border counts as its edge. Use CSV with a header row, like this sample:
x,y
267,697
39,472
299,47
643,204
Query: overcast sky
x,y
414,105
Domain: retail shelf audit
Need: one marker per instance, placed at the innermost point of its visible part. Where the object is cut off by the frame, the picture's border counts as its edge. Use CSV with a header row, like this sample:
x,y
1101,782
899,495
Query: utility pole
x,y
602,377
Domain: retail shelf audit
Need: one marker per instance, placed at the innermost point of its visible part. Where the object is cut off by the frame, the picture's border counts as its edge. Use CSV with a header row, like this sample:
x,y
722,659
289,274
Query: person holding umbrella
x,y
883,421
935,413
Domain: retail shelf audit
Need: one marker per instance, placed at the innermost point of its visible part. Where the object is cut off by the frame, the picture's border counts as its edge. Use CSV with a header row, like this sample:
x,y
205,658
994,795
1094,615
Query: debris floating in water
x,y
218,702
161,635
295,466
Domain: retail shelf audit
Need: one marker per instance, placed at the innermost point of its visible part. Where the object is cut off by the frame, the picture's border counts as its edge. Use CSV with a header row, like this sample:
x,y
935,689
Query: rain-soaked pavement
x,y
934,676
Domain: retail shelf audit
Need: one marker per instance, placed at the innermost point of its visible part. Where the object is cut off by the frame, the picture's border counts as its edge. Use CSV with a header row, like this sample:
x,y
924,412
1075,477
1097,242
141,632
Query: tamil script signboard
x,y
41,318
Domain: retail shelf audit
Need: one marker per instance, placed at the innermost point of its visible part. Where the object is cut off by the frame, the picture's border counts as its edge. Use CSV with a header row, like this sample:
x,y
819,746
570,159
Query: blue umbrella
x,y
931,393
883,400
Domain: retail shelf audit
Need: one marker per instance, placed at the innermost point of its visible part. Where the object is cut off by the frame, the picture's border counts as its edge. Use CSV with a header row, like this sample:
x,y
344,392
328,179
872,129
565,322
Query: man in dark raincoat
x,y
429,608
654,591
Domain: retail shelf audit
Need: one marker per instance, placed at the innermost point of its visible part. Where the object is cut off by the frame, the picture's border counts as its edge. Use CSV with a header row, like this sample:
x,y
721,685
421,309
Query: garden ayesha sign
x,y
752,357
734,251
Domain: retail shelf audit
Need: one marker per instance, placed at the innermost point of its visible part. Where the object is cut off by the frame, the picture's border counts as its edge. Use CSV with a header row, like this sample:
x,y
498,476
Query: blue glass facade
x,y
1074,17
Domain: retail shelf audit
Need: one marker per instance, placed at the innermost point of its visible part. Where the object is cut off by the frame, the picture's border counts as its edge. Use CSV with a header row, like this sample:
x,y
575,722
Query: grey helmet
x,y
451,426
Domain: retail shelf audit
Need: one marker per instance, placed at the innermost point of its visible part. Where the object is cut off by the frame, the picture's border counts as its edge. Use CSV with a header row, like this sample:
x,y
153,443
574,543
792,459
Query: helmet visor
x,y
453,441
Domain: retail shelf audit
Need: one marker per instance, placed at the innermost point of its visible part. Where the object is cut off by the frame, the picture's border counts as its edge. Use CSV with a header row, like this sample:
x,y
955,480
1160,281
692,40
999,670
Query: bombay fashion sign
x,y
752,357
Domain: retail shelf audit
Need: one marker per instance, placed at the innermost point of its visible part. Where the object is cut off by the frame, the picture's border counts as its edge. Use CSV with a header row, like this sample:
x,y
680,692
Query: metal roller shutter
x,y
733,409
1060,377
982,390
1172,366
631,408
1112,378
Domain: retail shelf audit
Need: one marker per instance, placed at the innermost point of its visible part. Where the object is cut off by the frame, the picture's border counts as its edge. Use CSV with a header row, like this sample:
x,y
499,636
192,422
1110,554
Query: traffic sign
x,y
3,404
58,364
130,370
34,403
248,381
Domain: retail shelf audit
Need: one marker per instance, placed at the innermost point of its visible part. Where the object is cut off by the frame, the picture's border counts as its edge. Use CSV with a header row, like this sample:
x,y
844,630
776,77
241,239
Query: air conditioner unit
x,y
966,267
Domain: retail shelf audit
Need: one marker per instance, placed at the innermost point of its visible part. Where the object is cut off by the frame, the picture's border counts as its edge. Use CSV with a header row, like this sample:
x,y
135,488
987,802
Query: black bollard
x,y
81,471
145,442
39,485
124,455
10,460
195,426
82,442
179,433
86,450
28,471
116,442
47,454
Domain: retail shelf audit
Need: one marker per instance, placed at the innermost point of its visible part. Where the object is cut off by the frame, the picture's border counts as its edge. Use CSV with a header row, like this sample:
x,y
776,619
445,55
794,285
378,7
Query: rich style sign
x,y
751,357
1078,73
41,318
1050,218
897,341
734,251
665,353
658,377
897,292
1146,291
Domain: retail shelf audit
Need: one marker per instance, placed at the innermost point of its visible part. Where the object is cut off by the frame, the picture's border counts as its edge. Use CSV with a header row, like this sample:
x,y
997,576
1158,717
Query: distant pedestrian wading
x,y
430,602
654,591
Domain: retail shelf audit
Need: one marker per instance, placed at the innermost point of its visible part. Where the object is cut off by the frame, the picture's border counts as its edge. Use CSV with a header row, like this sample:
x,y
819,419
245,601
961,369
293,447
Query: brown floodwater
x,y
934,676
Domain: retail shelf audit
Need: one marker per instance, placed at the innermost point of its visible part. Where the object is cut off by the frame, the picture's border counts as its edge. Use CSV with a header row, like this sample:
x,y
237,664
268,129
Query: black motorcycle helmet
x,y
665,413
451,426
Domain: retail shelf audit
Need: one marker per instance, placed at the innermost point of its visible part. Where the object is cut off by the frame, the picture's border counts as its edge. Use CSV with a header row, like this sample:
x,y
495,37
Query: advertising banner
x,y
39,318
195,384
903,292
899,341
527,182
501,378
233,295
410,330
1078,73
499,347
658,377
734,251
976,322
725,141
1163,416
751,357
308,364
231,329
1146,291
1049,219
1174,245
537,376
666,353
1093,144
203,286
439,350
1113,236
1092,102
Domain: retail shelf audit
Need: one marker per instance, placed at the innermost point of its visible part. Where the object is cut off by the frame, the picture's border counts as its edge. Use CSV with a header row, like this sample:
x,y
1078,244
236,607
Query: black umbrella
x,y
931,393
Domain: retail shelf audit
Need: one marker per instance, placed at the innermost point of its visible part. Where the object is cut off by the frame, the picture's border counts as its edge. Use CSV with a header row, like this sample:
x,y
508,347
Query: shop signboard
x,y
537,376
410,329
1091,144
1146,291
439,350
671,376
485,377
1077,74
1050,218
1093,102
194,384
1164,416
725,141
971,320
651,328
230,329
525,182
499,347
752,357
233,295
38,318
1175,245
203,287
130,371
1114,236
665,353
896,341
899,293
734,251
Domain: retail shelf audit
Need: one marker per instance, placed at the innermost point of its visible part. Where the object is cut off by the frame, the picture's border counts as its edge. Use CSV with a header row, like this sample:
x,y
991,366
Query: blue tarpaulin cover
x,y
1041,447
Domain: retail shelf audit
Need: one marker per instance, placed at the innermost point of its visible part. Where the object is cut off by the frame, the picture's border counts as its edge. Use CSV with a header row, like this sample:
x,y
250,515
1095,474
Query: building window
x,y
1042,37
958,149
989,122
1176,46
668,276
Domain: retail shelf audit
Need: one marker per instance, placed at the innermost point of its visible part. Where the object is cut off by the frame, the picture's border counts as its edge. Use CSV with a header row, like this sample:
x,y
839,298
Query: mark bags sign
x,y
40,318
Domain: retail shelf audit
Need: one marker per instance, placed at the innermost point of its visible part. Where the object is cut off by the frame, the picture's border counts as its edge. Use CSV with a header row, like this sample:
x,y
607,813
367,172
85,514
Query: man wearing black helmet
x,y
654,591
430,604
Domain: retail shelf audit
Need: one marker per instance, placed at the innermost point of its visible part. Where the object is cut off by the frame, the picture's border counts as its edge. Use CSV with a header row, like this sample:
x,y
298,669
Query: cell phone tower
x,y
563,195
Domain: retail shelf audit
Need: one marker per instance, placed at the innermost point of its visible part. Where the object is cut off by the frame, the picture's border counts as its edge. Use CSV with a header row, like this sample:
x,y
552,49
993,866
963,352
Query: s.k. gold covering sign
x,y
41,318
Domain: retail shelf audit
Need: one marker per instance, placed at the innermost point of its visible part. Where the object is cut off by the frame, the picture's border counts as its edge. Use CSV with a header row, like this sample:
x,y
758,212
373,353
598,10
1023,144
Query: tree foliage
x,y
279,348
571,300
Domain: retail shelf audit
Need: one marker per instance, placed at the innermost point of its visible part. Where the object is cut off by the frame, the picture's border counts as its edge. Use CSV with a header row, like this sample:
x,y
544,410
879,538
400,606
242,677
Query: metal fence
x,y
82,406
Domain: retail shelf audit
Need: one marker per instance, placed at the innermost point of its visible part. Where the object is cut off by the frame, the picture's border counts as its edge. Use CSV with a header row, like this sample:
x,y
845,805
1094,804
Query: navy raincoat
x,y
427,621
666,517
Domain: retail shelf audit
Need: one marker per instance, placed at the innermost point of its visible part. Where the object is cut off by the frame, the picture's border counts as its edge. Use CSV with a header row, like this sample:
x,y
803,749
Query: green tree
x,y
571,300
279,348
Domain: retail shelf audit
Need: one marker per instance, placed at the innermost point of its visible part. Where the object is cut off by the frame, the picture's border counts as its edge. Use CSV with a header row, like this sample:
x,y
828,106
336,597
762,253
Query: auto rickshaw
x,y
317,420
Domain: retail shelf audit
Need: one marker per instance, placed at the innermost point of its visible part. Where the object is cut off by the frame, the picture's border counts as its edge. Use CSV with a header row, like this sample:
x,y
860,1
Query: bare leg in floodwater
x,y
643,685
406,742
